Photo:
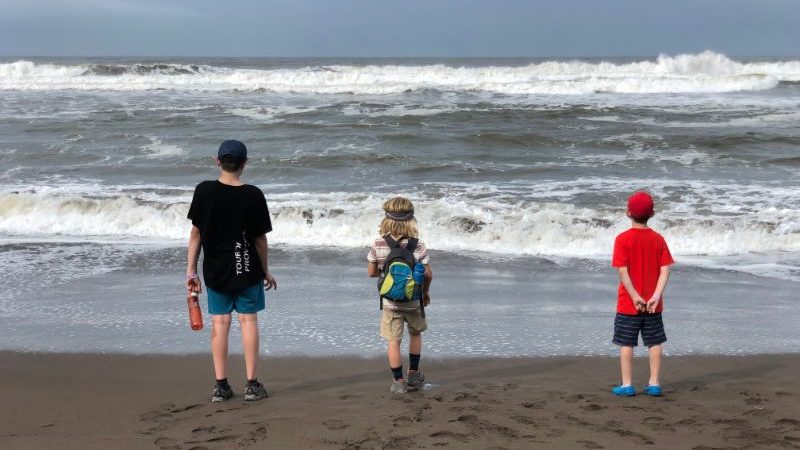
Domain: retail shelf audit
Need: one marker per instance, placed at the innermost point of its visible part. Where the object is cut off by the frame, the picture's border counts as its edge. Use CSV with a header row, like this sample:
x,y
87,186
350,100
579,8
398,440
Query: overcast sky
x,y
398,27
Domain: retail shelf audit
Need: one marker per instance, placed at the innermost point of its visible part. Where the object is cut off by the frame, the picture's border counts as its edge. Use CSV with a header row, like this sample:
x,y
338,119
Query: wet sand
x,y
95,401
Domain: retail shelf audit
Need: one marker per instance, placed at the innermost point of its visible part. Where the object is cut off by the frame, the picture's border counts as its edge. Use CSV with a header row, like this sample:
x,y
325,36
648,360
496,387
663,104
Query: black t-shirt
x,y
229,217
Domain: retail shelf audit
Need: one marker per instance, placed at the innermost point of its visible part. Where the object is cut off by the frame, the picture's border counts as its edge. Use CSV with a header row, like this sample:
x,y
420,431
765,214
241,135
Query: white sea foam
x,y
268,114
158,149
397,110
707,221
753,119
703,72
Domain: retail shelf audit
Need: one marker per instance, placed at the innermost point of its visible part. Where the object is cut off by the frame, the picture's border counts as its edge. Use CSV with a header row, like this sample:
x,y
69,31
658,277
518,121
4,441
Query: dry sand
x,y
54,401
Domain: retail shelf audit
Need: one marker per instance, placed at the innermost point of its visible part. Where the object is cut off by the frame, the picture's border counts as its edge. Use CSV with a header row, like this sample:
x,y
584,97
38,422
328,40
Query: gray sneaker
x,y
415,379
399,387
255,391
221,393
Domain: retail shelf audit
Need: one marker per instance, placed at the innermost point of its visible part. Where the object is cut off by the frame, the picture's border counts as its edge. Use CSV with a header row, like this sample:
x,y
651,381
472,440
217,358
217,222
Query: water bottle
x,y
195,314
419,279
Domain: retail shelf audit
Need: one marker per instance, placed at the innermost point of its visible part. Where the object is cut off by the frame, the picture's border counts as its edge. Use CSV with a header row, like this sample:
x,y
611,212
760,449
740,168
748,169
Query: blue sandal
x,y
653,391
624,391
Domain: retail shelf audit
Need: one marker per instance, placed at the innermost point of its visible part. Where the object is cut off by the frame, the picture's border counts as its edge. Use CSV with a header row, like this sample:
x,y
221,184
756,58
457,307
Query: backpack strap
x,y
392,243
412,244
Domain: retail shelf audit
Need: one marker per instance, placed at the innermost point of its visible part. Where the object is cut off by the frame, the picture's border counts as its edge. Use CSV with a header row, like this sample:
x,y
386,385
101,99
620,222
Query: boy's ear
x,y
216,160
628,213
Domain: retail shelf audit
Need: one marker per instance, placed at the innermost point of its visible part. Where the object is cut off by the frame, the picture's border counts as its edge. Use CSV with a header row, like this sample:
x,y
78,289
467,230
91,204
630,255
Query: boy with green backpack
x,y
401,263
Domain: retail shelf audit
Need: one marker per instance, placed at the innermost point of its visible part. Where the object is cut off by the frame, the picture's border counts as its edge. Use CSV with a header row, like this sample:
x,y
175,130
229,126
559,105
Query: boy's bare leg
x,y
395,359
655,364
220,325
626,364
249,323
415,344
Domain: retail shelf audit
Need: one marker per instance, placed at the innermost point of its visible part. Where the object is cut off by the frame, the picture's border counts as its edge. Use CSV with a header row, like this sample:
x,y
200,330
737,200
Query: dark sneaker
x,y
415,380
399,387
221,393
255,391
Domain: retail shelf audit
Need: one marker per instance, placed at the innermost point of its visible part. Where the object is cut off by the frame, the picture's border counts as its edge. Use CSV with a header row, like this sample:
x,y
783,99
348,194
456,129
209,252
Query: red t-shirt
x,y
643,252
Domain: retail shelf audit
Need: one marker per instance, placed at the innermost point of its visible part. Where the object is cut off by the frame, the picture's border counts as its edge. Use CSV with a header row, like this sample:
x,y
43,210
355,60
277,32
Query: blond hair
x,y
407,228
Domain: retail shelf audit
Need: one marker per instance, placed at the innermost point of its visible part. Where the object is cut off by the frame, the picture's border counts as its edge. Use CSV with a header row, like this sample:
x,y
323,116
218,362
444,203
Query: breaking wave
x,y
706,72
454,223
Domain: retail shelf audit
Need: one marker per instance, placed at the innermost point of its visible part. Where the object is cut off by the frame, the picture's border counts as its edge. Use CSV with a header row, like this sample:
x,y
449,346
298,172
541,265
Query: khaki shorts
x,y
392,323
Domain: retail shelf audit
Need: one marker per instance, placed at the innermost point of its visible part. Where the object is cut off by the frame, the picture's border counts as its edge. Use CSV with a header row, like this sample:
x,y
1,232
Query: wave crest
x,y
703,72
449,223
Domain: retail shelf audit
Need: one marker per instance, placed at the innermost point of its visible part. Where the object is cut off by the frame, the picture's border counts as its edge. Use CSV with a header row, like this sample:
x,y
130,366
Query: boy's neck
x,y
230,178
638,226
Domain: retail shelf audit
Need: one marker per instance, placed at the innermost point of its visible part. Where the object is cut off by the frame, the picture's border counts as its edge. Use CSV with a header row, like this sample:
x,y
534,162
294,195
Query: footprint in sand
x,y
652,420
480,408
397,443
254,437
222,438
657,424
465,396
534,405
529,421
184,408
450,435
589,444
574,398
754,401
501,386
335,424
758,412
593,407
402,421
159,414
789,423
466,418
165,443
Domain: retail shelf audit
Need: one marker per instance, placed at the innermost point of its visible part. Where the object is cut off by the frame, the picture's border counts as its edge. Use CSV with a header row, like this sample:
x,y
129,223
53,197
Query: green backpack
x,y
396,281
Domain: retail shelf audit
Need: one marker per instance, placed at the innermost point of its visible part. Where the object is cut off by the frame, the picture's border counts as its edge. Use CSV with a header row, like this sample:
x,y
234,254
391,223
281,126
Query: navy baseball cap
x,y
234,148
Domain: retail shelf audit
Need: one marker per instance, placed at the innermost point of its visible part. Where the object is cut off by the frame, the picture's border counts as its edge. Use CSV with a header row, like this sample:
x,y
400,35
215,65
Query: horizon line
x,y
655,55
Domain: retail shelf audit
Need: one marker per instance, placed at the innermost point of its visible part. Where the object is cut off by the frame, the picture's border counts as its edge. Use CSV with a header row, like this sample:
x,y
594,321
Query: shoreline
x,y
519,308
87,401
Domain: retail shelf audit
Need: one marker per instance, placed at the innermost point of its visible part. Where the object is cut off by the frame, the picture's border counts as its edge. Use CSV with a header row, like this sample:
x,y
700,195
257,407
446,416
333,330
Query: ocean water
x,y
519,170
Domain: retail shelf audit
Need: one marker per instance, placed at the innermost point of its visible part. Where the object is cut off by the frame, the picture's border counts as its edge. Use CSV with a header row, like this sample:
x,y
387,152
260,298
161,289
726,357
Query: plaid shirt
x,y
380,251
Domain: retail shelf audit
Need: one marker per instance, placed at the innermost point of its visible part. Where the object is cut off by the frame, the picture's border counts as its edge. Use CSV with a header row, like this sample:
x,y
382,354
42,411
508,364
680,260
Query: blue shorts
x,y
627,329
249,300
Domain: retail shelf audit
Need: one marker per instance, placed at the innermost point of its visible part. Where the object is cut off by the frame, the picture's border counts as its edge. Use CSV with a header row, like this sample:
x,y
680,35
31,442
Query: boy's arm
x,y
262,248
426,285
372,269
625,279
655,300
192,282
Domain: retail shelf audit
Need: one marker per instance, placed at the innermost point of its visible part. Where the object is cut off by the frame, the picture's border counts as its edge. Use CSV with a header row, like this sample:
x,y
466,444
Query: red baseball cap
x,y
640,205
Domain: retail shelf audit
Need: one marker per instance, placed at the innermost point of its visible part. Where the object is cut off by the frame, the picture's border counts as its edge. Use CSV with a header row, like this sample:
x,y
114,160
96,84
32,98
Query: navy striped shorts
x,y
627,329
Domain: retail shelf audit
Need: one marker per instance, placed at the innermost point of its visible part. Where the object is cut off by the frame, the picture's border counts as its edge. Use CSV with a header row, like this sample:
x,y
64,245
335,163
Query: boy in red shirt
x,y
642,258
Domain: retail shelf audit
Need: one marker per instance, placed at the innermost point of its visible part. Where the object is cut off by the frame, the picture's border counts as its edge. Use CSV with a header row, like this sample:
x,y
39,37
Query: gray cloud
x,y
569,28
33,8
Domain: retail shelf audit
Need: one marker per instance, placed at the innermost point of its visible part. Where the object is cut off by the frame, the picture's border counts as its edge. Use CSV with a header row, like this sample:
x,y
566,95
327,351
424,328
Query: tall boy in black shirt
x,y
230,222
